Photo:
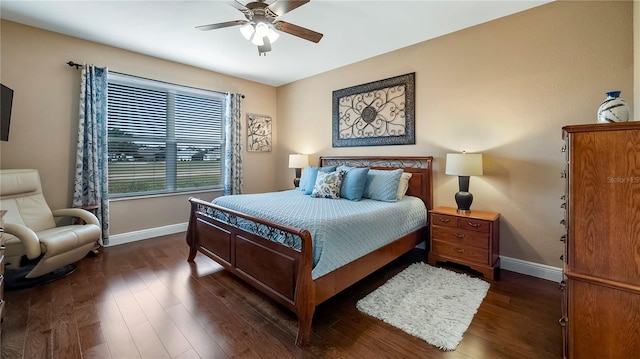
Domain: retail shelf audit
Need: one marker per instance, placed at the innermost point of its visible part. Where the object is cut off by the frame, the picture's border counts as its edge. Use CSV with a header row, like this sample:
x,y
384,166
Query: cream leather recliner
x,y
37,249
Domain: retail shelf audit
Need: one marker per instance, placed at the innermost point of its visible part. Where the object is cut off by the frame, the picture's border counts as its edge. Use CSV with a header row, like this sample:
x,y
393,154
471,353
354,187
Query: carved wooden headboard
x,y
420,184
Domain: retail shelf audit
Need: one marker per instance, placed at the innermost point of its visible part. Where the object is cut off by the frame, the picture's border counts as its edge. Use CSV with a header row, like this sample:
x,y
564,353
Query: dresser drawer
x,y
458,251
474,225
458,236
444,220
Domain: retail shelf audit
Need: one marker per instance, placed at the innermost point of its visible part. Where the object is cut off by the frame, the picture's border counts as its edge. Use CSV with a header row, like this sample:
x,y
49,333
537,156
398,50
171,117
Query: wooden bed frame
x,y
284,273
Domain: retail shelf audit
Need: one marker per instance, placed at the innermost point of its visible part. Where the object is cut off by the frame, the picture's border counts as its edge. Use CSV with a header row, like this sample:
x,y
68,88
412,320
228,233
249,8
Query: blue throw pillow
x,y
308,177
327,169
382,185
353,182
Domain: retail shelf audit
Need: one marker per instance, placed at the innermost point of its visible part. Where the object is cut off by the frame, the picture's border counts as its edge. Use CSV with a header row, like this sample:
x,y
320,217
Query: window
x,y
162,138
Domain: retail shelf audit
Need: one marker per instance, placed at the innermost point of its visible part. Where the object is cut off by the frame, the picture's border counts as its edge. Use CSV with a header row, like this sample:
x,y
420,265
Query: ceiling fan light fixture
x,y
272,35
262,30
257,40
247,30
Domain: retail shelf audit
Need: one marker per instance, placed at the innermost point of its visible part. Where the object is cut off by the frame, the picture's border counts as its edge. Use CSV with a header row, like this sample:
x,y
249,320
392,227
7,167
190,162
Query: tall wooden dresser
x,y
601,273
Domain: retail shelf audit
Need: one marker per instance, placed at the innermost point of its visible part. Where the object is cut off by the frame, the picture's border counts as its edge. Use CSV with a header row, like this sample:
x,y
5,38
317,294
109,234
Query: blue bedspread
x,y
342,230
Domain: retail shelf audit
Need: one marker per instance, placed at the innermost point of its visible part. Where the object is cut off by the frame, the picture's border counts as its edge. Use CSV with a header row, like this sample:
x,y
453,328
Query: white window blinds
x,y
163,138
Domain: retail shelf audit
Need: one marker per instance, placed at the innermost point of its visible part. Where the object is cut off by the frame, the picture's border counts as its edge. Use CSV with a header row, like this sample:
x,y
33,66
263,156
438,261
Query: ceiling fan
x,y
261,23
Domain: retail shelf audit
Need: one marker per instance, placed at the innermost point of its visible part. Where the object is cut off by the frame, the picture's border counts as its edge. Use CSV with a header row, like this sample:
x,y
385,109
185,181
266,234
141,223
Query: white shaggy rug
x,y
434,304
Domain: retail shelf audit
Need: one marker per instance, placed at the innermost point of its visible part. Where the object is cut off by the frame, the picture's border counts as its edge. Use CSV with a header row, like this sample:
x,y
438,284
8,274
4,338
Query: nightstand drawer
x,y
454,250
474,225
458,236
444,220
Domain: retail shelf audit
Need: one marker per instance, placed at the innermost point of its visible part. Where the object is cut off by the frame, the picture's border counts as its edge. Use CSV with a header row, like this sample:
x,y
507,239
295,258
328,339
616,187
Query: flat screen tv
x,y
6,101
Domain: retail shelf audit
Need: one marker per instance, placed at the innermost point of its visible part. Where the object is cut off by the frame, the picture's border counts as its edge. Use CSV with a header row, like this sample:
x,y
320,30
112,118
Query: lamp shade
x,y
298,161
247,30
464,164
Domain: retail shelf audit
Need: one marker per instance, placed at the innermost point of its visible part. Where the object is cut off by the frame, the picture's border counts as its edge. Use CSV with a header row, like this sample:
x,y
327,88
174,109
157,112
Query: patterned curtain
x,y
91,179
233,144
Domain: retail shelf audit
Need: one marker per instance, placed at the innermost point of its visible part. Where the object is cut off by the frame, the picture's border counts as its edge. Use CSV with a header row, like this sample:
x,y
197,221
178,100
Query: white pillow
x,y
403,186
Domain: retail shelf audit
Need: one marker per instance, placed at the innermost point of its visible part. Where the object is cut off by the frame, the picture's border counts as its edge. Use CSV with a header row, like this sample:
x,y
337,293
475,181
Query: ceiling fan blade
x,y
238,5
281,7
298,31
221,25
243,8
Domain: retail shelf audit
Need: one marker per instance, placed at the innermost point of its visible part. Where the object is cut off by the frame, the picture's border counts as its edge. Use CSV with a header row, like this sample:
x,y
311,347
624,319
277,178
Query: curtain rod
x,y
78,66
73,64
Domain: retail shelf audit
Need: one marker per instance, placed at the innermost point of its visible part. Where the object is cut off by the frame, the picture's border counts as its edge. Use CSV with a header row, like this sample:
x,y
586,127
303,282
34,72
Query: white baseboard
x,y
123,238
530,268
511,264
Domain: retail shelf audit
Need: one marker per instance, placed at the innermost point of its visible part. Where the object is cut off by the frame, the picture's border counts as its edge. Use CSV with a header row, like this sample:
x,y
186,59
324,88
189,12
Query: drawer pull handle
x,y
563,174
445,220
458,235
459,250
474,225
562,221
563,321
562,285
564,197
563,238
562,257
564,205
563,148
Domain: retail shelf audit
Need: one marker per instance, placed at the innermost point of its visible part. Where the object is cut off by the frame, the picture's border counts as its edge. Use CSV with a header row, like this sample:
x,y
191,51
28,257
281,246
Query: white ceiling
x,y
353,30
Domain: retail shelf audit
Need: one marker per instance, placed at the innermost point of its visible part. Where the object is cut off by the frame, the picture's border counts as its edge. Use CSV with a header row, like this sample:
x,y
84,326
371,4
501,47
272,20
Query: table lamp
x,y
464,165
298,162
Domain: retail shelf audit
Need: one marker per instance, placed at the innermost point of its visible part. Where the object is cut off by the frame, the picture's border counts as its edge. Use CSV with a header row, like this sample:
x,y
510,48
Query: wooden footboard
x,y
282,270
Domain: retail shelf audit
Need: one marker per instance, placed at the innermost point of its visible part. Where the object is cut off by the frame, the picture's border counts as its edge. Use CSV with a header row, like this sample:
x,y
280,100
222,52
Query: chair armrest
x,y
86,216
28,238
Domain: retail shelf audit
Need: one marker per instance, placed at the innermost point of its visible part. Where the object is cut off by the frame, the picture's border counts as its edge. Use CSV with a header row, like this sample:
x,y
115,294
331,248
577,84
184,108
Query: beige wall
x,y
44,124
504,88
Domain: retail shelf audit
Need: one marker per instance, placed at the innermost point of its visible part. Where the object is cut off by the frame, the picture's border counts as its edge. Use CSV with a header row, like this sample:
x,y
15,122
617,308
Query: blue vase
x,y
613,109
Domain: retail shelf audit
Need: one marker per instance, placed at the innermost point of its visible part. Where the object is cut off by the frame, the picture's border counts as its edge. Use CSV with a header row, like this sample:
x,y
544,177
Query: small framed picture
x,y
258,133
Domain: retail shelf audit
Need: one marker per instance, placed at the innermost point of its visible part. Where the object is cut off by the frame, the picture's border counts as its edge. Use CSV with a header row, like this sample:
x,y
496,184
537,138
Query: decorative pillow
x,y
353,182
308,178
382,185
311,179
403,186
328,185
327,169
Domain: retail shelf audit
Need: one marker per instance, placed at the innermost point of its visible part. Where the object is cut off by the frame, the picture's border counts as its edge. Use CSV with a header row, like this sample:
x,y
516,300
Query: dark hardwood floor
x,y
144,300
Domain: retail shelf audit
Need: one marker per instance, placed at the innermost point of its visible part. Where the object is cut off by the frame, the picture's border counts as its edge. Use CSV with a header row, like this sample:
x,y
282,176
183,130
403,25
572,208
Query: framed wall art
x,y
379,113
258,133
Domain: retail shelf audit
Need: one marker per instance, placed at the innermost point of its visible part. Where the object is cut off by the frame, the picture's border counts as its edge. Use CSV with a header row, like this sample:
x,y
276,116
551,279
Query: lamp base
x,y
296,182
464,200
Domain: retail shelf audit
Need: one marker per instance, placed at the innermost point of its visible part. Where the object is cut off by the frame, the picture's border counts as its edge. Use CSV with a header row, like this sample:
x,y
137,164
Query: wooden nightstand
x,y
471,239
